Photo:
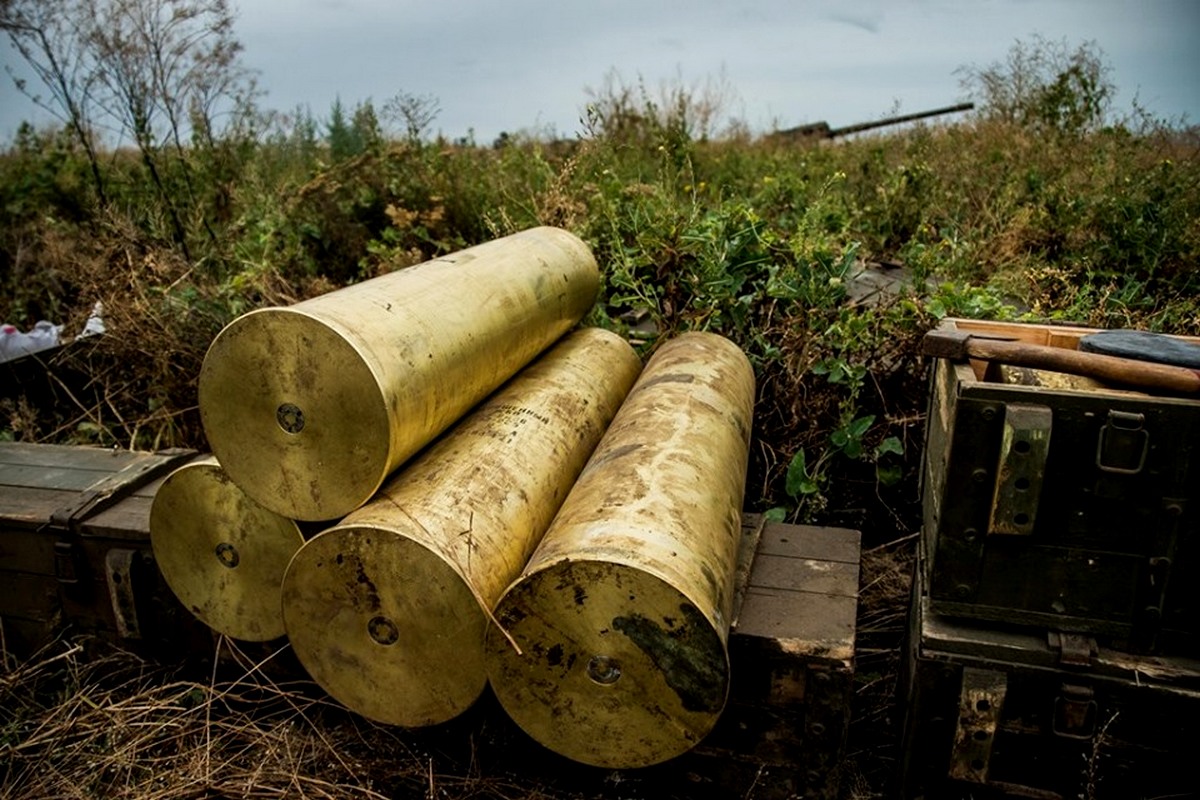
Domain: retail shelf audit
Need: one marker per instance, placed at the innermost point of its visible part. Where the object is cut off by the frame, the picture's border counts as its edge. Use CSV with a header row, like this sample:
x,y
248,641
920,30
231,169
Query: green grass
x,y
754,238
1034,208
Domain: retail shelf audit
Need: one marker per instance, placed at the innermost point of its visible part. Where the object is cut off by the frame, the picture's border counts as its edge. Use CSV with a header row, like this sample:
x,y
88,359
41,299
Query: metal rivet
x,y
290,418
383,630
227,554
989,414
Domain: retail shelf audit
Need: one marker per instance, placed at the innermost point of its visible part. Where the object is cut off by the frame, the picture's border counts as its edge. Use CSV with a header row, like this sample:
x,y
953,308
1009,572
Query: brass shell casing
x,y
387,610
622,614
221,553
310,407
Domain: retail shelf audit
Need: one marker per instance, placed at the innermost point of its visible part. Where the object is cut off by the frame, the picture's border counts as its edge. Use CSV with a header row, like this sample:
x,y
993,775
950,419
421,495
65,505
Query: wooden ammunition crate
x,y
75,555
1067,506
783,730
995,712
75,550
791,654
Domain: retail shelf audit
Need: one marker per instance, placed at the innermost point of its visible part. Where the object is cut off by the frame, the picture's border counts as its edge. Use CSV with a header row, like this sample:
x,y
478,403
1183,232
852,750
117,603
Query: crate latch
x,y
119,566
67,562
1024,445
1075,712
1123,443
1074,649
979,705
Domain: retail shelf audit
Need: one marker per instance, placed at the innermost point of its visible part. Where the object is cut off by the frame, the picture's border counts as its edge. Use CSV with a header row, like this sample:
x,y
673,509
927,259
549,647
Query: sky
x,y
528,65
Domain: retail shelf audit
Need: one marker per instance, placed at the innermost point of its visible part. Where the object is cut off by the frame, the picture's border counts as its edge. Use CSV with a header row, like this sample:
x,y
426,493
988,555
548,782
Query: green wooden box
x,y
999,712
75,550
1070,506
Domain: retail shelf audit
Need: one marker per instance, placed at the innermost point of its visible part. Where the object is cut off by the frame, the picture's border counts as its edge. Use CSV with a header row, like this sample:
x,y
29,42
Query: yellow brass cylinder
x,y
310,407
622,614
387,610
221,553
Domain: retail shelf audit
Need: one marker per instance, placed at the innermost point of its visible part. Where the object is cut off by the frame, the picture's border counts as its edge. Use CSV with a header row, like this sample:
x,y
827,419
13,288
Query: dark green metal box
x,y
999,712
1070,507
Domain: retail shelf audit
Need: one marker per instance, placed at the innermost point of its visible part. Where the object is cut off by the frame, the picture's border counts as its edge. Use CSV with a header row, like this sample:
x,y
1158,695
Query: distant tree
x,y
340,135
353,134
365,123
1045,84
304,129
414,112
157,72
51,41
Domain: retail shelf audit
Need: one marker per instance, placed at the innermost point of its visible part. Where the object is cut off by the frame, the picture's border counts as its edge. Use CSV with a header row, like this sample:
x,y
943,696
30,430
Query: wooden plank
x,y
809,541
27,596
942,637
1066,336
26,550
52,477
129,519
71,456
835,578
28,507
803,622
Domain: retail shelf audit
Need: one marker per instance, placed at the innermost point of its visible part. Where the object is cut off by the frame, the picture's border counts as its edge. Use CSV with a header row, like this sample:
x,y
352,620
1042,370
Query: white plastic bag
x,y
15,344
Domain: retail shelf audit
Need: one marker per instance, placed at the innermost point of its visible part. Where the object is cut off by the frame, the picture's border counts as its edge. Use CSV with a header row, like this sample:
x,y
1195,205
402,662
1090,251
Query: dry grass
x,y
873,749
74,724
85,720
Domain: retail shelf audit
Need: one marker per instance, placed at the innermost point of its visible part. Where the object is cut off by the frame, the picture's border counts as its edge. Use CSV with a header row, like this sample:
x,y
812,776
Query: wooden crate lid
x,y
801,590
67,486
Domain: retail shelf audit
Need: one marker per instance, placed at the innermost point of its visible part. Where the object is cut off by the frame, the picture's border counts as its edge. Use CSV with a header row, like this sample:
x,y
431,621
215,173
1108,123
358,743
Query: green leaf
x,y
889,475
860,426
797,475
776,514
889,445
840,437
853,448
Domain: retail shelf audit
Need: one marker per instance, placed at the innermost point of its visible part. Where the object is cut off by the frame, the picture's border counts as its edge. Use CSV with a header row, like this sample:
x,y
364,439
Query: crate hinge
x,y
121,565
1021,469
979,705
1074,649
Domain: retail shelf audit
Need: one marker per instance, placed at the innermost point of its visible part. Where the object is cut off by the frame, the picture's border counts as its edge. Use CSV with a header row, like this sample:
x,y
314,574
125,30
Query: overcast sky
x,y
527,64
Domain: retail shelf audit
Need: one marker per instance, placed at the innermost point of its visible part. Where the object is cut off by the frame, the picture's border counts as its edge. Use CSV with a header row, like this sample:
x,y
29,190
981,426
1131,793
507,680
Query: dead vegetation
x,y
80,723
81,719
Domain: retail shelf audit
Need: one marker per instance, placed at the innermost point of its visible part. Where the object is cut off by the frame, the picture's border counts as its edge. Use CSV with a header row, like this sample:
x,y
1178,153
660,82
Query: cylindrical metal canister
x,y
222,554
387,610
622,614
310,407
